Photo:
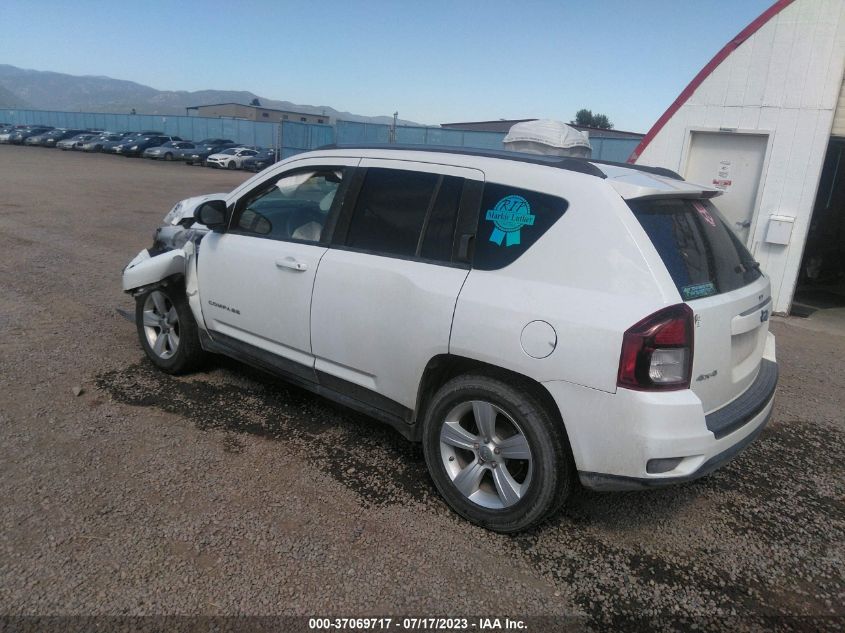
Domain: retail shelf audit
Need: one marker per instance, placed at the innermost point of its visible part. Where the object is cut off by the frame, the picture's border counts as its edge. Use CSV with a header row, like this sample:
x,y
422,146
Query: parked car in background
x,y
9,131
35,139
231,158
169,150
98,143
110,146
206,148
50,139
136,146
20,136
75,142
262,160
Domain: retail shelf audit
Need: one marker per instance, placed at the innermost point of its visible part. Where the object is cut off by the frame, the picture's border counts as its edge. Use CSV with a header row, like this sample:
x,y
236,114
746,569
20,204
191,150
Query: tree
x,y
255,102
586,118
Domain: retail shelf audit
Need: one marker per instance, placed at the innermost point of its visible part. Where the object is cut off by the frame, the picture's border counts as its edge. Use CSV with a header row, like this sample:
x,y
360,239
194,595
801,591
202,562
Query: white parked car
x,y
533,321
231,158
6,133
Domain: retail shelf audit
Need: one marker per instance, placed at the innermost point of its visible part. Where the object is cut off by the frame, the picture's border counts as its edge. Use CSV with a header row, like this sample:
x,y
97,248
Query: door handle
x,y
291,263
744,224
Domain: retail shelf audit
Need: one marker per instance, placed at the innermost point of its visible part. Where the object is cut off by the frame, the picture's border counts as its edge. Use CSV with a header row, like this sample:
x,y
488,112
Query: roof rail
x,y
568,163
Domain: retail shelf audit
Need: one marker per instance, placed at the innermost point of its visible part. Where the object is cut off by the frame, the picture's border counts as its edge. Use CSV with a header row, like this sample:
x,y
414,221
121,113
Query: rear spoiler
x,y
640,184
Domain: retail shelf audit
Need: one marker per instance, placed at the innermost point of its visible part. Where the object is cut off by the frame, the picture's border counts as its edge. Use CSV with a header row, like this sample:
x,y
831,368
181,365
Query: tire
x,y
167,330
509,494
168,156
232,165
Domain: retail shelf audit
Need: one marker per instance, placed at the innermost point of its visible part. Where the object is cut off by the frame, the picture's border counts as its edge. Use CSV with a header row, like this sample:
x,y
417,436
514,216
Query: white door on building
x,y
733,163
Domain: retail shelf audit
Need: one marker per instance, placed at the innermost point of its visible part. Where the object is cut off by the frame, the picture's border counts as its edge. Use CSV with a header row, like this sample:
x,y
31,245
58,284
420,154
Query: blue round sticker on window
x,y
509,215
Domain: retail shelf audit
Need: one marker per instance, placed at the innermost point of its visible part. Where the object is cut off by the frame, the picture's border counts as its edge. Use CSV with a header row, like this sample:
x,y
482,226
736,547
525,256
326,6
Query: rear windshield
x,y
702,254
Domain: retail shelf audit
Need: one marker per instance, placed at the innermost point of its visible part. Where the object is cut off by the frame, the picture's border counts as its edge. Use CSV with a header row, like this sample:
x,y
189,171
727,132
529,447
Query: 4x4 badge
x,y
509,215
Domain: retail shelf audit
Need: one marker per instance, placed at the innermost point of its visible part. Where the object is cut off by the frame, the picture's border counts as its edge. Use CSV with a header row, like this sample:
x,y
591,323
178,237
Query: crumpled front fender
x,y
146,269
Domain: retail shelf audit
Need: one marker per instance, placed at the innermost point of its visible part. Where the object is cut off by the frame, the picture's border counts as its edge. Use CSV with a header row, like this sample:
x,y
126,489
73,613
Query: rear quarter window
x,y
701,253
511,220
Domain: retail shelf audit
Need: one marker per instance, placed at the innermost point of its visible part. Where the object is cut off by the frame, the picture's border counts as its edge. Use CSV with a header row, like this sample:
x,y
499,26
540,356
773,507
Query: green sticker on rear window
x,y
698,291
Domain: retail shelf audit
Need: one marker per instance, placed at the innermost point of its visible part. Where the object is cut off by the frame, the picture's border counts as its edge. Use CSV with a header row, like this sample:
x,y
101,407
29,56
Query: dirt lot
x,y
227,492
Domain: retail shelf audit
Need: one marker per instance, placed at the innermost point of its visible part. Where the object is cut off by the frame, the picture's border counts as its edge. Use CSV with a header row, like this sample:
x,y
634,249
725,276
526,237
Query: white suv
x,y
534,321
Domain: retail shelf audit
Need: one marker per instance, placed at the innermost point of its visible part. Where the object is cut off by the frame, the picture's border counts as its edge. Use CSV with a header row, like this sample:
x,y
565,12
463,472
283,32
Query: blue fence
x,y
612,149
291,137
352,132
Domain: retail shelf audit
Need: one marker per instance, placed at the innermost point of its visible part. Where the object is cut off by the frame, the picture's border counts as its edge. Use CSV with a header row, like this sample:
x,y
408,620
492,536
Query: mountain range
x,y
44,90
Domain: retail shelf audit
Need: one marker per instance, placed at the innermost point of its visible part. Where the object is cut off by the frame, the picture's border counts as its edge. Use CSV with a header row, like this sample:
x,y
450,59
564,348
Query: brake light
x,y
657,351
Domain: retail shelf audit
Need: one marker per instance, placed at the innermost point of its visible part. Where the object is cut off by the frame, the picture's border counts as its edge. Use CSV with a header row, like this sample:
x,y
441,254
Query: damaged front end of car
x,y
174,244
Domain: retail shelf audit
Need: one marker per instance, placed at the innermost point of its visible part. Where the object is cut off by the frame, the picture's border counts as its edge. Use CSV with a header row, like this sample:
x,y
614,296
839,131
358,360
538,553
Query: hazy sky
x,y
434,61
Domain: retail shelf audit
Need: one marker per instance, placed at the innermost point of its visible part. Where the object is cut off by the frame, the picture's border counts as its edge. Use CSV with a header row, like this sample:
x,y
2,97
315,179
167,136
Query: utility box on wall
x,y
780,229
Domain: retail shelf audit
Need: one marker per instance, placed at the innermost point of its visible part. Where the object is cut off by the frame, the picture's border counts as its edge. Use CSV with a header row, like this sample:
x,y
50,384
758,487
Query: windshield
x,y
229,152
701,253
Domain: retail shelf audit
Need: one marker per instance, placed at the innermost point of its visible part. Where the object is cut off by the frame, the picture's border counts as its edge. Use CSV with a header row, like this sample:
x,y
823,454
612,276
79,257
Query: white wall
x,y
785,80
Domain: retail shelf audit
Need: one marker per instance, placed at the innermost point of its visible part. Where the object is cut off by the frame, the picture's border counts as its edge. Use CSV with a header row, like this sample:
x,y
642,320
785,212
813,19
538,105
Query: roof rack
x,y
569,163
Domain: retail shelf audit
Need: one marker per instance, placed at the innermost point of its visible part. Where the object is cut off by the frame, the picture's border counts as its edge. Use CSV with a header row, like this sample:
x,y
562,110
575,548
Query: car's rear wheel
x,y
167,330
496,454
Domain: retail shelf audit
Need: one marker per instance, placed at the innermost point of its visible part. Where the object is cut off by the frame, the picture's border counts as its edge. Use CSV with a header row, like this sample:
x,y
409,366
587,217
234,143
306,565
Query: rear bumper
x,y
602,481
632,440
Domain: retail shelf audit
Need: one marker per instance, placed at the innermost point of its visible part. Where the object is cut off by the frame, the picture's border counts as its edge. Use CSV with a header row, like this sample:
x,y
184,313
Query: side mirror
x,y
212,214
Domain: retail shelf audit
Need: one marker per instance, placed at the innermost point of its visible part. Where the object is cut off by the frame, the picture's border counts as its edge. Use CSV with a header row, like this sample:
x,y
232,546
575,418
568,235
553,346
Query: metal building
x,y
255,113
764,121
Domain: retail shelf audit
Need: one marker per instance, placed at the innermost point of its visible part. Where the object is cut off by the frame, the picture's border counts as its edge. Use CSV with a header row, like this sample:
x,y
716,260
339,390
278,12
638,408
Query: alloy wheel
x,y
486,454
161,324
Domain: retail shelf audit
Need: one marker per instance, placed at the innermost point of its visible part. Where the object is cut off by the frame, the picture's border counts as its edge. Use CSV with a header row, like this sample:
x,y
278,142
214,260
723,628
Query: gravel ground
x,y
228,492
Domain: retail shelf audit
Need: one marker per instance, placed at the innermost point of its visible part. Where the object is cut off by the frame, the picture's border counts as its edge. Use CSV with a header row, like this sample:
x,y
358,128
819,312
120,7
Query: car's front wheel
x,y
167,330
168,156
496,454
232,165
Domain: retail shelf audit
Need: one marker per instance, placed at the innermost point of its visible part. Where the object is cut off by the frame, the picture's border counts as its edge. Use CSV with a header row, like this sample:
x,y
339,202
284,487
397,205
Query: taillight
x,y
657,351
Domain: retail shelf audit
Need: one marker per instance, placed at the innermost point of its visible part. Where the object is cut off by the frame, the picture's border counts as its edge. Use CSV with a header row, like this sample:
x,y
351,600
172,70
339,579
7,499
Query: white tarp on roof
x,y
549,137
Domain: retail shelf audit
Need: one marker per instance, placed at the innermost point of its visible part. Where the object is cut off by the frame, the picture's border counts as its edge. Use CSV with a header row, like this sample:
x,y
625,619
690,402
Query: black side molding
x,y
335,389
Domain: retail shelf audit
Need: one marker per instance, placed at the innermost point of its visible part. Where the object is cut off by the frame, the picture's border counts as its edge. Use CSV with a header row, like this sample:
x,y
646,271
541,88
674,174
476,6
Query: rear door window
x,y
403,213
701,253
